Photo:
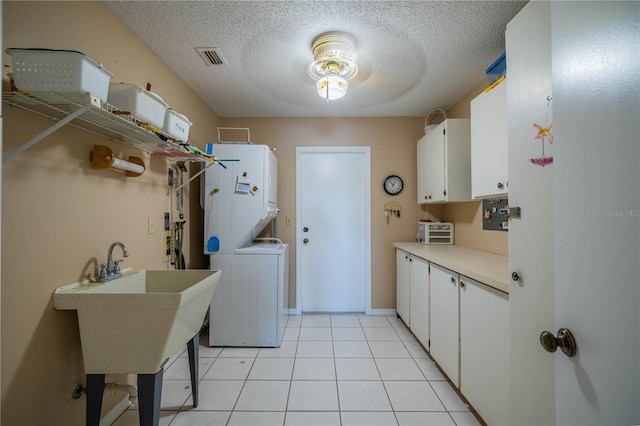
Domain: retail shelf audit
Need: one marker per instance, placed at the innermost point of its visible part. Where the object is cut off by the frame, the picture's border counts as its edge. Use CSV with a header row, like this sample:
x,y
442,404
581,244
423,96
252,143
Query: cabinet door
x,y
444,163
484,349
419,303
423,185
444,321
457,159
489,143
436,164
402,285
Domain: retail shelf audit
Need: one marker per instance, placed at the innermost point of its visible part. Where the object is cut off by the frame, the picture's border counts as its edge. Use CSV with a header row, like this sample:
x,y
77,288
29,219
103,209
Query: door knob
x,y
306,240
564,341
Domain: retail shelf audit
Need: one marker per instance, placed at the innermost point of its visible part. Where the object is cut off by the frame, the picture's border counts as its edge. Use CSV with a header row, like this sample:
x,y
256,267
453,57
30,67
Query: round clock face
x,y
393,185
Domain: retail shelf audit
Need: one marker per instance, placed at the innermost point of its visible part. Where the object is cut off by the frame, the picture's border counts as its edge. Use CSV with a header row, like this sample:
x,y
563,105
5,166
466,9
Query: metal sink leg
x,y
95,390
193,348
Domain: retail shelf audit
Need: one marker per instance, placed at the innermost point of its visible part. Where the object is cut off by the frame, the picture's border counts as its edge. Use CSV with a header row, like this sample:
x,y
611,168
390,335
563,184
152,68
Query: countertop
x,y
488,268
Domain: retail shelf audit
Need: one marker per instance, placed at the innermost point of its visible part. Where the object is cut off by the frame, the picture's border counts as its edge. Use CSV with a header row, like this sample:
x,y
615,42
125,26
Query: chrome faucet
x,y
111,270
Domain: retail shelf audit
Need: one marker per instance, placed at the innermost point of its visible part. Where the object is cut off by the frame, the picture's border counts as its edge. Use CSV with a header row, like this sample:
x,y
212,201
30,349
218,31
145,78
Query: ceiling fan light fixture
x,y
333,64
332,87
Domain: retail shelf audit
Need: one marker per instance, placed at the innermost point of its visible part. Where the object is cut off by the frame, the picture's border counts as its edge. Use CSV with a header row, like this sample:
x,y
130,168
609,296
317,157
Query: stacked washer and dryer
x,y
250,305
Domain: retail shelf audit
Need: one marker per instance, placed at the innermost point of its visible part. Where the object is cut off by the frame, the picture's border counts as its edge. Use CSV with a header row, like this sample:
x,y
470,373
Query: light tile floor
x,y
330,370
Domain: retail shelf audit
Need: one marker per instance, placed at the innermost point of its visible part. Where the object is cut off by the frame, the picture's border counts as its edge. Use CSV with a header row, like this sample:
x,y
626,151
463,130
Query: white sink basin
x,y
133,324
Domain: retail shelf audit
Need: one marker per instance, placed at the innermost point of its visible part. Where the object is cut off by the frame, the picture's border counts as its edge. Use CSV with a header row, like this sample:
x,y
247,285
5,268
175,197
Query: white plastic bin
x,y
61,71
144,105
176,125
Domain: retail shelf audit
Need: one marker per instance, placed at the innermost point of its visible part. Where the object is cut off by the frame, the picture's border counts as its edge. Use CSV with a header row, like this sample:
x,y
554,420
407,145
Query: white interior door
x,y
333,239
577,246
528,42
597,178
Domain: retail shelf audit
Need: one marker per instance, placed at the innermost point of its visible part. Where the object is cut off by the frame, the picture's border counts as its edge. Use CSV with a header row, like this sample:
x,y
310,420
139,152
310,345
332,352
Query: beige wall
x,y
59,215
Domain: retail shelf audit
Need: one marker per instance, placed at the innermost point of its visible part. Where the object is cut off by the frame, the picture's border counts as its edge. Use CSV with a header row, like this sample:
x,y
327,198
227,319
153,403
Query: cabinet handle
x,y
500,185
406,257
461,285
453,280
444,193
410,259
429,197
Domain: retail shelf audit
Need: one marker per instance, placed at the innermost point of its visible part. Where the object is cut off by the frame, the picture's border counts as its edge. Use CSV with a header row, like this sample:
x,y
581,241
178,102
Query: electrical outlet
x,y
151,225
288,221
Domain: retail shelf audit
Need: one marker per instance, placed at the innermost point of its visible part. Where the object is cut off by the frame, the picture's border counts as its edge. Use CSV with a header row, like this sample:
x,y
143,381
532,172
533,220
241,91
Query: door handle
x,y
306,240
564,341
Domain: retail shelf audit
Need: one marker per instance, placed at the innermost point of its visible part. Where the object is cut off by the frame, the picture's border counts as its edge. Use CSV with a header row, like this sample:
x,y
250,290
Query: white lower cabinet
x,y
484,350
465,326
403,284
445,348
412,294
419,300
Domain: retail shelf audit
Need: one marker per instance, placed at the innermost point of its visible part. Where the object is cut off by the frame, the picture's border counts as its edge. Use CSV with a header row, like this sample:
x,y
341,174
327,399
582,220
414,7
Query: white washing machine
x,y
250,305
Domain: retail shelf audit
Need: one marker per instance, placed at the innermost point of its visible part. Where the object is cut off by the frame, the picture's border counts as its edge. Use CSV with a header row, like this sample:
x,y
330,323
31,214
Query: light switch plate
x,y
151,225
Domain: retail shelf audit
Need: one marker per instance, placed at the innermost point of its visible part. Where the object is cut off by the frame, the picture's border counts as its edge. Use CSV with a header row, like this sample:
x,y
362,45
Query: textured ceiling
x,y
413,55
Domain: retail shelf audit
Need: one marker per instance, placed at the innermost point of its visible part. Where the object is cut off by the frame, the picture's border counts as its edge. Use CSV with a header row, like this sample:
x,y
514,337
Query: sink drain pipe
x,y
113,387
123,405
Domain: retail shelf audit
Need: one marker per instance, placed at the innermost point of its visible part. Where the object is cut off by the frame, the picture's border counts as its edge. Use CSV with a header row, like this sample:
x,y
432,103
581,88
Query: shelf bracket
x,y
45,133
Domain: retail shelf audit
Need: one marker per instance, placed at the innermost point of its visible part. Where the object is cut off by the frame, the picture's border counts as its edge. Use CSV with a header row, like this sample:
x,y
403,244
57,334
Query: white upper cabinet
x,y
489,143
444,163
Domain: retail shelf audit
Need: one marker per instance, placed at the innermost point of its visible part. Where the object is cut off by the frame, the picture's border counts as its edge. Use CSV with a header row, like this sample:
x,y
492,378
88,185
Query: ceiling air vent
x,y
211,55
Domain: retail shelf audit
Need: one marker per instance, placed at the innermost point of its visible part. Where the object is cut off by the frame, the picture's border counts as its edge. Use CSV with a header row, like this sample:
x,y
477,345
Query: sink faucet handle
x,y
116,266
103,271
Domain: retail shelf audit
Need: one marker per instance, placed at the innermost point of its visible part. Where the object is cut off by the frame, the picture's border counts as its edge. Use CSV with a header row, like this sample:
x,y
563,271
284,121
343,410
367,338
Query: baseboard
x,y
373,312
383,312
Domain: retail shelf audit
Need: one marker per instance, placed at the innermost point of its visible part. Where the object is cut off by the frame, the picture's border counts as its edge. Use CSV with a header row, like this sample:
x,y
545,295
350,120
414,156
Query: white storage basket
x,y
176,125
61,71
140,103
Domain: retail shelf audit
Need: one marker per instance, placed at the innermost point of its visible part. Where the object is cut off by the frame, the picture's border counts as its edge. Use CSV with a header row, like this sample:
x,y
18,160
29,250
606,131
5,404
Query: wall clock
x,y
393,185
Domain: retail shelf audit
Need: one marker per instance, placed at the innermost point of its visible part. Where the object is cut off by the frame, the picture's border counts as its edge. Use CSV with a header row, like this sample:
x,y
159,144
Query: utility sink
x,y
134,324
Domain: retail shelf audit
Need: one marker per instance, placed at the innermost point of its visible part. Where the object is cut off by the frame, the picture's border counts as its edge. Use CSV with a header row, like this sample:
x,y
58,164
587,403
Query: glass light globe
x,y
332,87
